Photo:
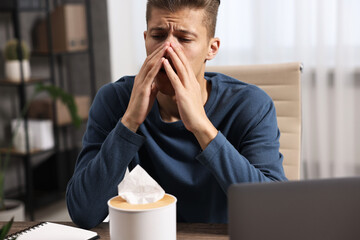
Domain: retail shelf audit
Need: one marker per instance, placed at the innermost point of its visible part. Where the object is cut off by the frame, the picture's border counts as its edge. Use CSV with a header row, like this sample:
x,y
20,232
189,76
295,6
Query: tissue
x,y
138,187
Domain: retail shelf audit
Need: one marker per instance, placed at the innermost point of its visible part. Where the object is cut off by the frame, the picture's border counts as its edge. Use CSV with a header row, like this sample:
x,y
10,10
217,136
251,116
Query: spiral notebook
x,y
54,231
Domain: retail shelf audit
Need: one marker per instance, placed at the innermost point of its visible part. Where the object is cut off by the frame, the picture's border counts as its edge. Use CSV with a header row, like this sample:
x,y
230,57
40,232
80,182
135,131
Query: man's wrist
x,y
205,135
129,124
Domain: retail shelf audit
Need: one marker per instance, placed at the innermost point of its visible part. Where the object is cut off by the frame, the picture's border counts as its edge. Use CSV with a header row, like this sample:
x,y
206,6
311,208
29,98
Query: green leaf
x,y
58,93
5,229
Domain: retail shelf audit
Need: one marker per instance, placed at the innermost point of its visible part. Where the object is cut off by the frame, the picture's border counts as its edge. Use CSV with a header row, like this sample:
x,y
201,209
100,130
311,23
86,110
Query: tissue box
x,y
69,31
40,134
43,109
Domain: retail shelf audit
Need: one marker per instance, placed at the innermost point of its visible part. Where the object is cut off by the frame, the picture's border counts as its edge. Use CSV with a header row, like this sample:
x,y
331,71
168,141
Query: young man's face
x,y
184,28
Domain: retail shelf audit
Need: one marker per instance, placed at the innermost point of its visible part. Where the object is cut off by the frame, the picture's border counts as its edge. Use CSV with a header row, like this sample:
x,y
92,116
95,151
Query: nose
x,y
171,39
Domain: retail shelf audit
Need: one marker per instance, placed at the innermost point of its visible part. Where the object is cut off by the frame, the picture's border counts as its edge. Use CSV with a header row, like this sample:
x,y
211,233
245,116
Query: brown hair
x,y
210,6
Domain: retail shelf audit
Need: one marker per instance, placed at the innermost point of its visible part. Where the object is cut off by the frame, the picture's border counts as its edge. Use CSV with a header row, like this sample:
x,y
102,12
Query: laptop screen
x,y
313,209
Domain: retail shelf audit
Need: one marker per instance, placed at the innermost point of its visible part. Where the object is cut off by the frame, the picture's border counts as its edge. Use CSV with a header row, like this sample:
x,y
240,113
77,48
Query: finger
x,y
180,53
153,71
153,94
158,51
178,64
152,59
173,77
156,55
154,91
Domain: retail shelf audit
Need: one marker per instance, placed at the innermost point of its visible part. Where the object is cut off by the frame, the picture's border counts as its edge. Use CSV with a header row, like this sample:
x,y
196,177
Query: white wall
x,y
124,34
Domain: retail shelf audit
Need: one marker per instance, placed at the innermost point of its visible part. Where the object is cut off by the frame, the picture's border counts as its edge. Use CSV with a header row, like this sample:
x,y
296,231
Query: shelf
x,y
8,83
22,5
55,165
29,5
32,153
27,9
46,54
44,198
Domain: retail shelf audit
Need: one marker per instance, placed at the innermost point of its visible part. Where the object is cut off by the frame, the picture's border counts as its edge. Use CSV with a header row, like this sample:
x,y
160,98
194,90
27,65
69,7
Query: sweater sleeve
x,y
108,148
255,159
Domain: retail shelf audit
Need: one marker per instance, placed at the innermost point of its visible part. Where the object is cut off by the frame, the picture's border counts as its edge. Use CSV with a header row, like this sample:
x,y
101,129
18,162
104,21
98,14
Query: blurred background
x,y
43,155
96,42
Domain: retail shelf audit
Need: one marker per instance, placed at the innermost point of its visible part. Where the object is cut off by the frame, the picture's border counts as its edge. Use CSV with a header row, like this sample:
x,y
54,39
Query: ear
x,y
213,48
145,34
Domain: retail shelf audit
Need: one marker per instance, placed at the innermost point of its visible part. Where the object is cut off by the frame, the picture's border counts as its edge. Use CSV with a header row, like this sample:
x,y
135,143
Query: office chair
x,y
282,83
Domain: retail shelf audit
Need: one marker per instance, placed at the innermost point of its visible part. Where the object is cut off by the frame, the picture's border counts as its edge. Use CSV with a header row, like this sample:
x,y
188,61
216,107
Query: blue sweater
x,y
246,149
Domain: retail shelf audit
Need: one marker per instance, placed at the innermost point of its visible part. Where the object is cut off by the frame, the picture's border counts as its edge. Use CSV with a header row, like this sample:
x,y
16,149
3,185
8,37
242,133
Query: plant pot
x,y
12,70
19,139
14,208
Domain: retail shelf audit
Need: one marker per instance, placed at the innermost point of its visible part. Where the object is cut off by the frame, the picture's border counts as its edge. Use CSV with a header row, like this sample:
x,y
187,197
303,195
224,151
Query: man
x,y
195,134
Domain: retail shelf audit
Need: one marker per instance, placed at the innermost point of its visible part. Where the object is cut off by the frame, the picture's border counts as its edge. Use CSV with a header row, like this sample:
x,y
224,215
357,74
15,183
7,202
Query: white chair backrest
x,y
282,82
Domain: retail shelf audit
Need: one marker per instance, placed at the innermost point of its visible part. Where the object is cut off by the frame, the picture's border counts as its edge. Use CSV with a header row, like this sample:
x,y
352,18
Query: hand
x,y
189,97
144,90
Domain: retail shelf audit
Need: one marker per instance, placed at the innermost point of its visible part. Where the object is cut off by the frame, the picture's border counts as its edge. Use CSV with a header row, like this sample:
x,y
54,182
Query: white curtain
x,y
322,34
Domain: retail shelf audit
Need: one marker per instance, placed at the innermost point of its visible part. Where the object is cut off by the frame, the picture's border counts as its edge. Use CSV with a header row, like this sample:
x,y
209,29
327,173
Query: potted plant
x,y
55,93
15,61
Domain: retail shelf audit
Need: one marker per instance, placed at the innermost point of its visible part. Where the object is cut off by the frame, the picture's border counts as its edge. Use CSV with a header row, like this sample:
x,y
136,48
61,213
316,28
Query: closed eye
x,y
184,40
158,37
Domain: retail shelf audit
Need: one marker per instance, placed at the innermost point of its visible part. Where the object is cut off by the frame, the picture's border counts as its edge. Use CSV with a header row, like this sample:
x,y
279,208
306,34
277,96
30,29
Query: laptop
x,y
326,209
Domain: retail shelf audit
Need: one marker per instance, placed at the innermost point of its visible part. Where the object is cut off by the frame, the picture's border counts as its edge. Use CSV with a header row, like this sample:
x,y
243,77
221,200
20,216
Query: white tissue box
x,y
40,132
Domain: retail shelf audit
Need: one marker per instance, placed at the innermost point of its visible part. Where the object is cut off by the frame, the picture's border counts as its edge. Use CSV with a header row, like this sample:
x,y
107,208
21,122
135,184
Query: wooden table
x,y
185,231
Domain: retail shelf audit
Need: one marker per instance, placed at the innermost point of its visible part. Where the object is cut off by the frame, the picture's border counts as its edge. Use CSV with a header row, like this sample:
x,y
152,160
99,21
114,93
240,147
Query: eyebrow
x,y
162,29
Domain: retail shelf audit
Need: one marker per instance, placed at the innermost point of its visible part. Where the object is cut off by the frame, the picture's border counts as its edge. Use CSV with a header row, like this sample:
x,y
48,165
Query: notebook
x,y
54,231
312,209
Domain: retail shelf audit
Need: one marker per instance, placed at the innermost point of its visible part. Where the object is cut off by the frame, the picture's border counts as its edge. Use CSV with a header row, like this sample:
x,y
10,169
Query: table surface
x,y
185,231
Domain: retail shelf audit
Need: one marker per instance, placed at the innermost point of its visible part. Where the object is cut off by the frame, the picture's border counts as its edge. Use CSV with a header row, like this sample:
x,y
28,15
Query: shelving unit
x,y
5,82
55,62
